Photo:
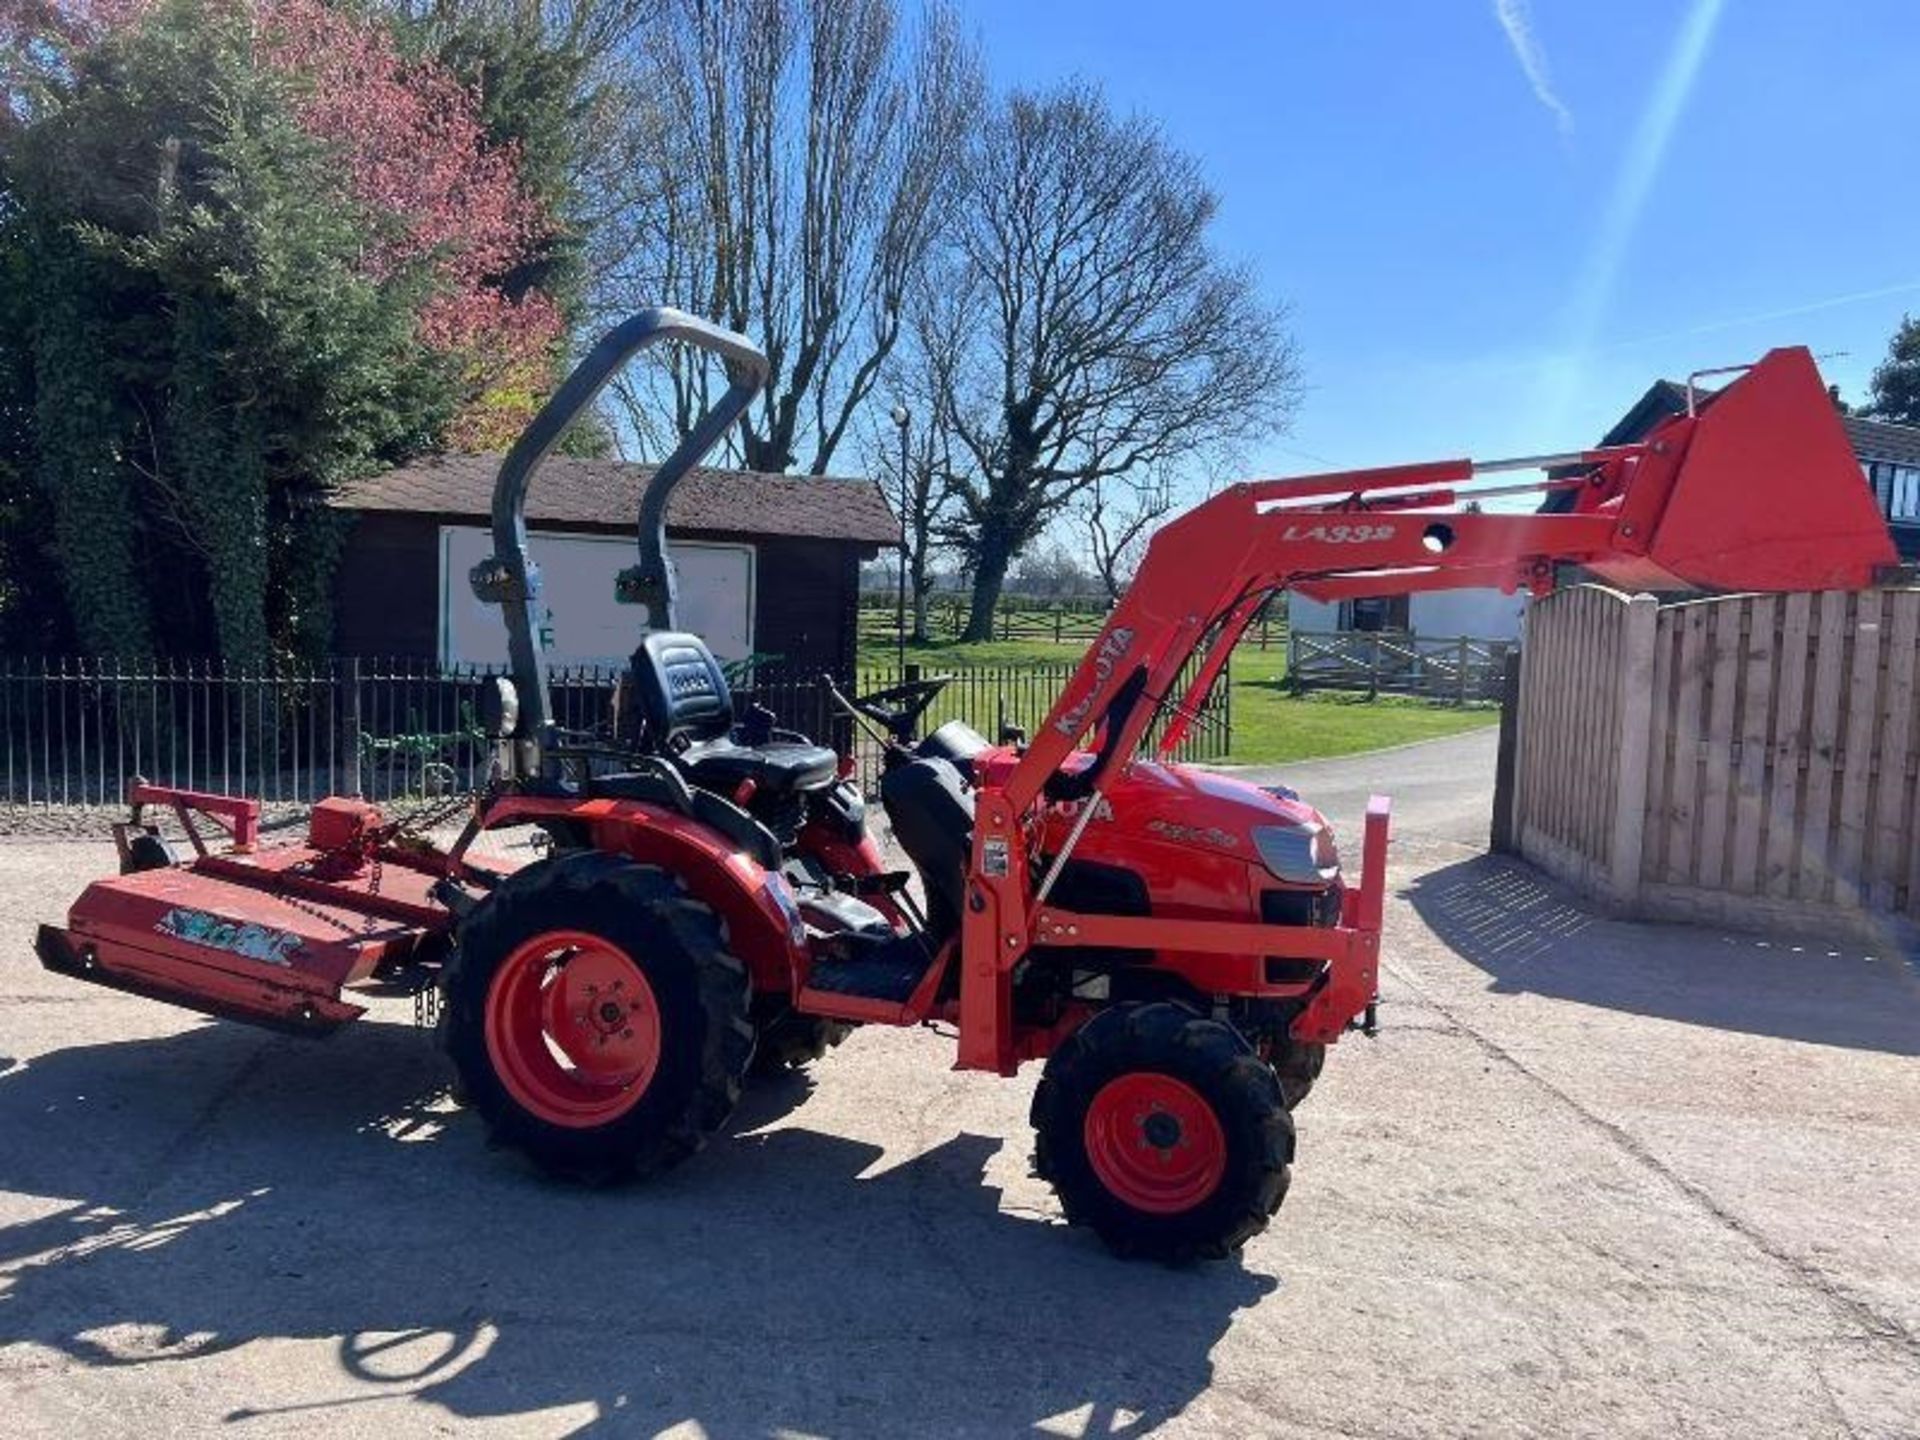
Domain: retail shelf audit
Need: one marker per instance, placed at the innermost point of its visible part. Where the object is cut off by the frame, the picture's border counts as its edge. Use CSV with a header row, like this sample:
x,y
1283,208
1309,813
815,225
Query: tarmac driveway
x,y
1594,1178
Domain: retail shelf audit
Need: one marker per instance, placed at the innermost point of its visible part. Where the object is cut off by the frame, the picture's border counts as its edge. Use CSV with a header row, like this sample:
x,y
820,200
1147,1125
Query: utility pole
x,y
902,420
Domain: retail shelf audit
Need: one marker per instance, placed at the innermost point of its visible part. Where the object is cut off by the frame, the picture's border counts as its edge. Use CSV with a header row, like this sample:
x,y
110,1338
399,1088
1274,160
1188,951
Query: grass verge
x,y
1270,726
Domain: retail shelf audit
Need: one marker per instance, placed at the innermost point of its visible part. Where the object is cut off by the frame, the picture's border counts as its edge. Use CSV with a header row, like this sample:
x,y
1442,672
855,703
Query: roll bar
x,y
510,579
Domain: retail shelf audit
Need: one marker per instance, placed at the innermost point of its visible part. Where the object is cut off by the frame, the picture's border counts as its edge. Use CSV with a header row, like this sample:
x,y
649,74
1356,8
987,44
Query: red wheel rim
x,y
573,1028
1155,1143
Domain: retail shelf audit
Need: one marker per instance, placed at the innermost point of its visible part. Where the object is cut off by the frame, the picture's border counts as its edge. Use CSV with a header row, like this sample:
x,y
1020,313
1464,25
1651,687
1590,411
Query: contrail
x,y
1517,21
1785,312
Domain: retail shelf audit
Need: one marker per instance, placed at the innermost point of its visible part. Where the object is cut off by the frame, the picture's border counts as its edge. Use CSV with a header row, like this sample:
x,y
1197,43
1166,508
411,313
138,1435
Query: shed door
x,y
581,623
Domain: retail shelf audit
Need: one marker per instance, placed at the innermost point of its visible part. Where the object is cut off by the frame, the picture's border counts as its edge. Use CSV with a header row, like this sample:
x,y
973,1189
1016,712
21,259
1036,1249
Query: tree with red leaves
x,y
261,250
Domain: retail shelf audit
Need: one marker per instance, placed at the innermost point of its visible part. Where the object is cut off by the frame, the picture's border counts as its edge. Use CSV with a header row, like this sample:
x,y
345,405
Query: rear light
x,y
1300,854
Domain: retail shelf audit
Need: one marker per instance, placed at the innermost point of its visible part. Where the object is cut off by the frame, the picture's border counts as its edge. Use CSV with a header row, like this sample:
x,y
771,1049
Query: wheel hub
x,y
1155,1142
573,1028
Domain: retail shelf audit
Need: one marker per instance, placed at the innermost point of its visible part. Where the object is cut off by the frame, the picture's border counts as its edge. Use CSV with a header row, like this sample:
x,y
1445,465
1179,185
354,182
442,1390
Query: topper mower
x,y
1179,946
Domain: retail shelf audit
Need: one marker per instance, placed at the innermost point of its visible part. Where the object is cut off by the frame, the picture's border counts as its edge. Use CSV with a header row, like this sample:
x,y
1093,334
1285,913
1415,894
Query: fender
x,y
763,924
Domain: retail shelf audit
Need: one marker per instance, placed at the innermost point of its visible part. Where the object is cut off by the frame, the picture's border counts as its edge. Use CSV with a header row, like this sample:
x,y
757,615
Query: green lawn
x,y
1270,727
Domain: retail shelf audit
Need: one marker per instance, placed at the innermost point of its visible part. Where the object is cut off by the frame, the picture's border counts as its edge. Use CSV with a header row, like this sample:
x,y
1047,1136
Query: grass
x,y
1270,726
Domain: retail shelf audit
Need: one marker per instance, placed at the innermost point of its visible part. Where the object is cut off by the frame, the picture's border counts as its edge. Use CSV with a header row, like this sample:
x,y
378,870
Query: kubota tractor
x,y
1179,946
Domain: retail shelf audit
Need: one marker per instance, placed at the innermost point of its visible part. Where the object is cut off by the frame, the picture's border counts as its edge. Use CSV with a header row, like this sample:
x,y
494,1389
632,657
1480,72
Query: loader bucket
x,y
1768,494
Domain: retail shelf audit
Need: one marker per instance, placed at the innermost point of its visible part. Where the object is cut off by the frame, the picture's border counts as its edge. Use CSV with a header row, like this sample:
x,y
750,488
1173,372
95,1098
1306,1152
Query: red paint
x,y
1155,1143
573,1029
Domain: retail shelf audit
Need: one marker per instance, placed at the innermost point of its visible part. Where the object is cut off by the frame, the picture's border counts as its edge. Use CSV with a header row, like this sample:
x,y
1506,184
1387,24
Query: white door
x,y
580,621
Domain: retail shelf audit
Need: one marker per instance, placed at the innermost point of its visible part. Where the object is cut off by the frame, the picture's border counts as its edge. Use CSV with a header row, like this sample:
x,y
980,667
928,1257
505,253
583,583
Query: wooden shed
x,y
768,564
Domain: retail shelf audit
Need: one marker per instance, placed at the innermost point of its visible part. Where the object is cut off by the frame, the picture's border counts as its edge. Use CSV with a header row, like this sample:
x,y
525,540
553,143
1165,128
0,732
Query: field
x,y
1270,726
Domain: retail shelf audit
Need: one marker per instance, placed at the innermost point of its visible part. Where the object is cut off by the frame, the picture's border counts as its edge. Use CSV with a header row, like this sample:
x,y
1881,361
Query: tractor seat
x,y
778,766
687,710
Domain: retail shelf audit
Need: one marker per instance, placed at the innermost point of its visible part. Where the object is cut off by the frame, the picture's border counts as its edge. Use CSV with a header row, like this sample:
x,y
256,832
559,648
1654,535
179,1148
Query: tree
x,y
801,162
1098,336
918,389
1895,391
1121,517
266,254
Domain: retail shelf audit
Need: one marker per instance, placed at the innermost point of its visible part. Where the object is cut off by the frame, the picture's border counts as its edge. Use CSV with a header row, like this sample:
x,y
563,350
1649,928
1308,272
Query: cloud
x,y
1516,19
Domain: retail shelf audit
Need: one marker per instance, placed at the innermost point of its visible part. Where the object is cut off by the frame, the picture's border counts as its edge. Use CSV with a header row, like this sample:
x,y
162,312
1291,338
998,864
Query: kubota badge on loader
x,y
1180,946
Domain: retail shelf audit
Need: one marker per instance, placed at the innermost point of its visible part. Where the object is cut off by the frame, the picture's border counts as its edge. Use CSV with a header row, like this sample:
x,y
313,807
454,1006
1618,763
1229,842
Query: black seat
x,y
687,710
931,812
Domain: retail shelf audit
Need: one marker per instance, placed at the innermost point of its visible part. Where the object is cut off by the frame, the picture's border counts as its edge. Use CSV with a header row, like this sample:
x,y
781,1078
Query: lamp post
x,y
901,420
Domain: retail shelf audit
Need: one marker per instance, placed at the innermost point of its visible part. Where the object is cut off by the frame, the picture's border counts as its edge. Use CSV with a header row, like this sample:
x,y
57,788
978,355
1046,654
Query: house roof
x,y
605,494
1883,440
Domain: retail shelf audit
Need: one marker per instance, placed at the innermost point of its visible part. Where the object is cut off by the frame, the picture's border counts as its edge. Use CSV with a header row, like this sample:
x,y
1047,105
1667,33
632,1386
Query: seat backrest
x,y
931,811
681,690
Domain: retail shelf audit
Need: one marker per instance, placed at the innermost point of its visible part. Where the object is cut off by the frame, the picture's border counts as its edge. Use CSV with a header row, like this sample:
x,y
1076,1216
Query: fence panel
x,y
1747,759
1458,669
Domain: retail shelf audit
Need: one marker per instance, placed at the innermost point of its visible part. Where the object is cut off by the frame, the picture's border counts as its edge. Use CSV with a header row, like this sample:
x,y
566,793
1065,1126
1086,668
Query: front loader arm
x,y
1755,487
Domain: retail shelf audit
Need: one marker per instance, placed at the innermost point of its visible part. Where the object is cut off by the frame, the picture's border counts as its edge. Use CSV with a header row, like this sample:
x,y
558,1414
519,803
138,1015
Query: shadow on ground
x,y
229,1187
1531,935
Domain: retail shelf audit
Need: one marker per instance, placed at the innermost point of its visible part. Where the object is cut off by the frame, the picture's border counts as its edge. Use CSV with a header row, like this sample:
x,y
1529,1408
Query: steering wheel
x,y
896,709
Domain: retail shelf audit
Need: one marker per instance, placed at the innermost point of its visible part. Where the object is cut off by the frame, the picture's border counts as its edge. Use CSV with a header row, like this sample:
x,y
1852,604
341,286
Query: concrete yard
x,y
1593,1179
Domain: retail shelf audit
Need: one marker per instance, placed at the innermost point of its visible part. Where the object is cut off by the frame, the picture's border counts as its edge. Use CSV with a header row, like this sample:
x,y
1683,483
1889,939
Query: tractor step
x,y
884,982
889,971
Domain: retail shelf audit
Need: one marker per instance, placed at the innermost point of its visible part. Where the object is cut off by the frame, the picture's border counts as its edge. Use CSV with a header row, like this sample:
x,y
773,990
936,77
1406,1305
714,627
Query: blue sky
x,y
1496,221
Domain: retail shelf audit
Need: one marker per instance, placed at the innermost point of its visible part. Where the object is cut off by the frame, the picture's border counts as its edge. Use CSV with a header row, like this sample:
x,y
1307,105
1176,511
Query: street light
x,y
901,420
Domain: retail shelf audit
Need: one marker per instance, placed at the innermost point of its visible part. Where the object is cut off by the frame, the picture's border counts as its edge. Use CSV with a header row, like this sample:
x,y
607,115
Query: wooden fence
x,y
1458,670
1056,622
1748,760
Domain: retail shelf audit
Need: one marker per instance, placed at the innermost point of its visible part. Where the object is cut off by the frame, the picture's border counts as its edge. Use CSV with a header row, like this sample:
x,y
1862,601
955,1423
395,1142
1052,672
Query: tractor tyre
x,y
792,1041
595,1019
1164,1132
1296,1066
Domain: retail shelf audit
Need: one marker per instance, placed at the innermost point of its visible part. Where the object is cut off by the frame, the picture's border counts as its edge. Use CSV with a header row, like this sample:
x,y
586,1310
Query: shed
x,y
768,564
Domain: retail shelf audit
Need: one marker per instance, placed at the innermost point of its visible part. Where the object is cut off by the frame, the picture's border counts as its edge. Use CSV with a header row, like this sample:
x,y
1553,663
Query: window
x,y
1897,488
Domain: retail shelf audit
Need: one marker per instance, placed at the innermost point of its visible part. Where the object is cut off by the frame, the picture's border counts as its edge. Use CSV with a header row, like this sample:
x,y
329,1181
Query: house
x,y
768,564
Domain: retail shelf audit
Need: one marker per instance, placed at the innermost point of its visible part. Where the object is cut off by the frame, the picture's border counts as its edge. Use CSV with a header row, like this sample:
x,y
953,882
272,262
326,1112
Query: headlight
x,y
1302,854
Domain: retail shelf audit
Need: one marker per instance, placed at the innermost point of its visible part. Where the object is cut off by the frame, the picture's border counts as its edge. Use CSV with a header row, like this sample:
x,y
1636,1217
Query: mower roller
x,y
1179,946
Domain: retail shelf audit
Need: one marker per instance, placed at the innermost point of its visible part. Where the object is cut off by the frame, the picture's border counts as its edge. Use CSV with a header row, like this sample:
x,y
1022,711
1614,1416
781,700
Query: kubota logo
x,y
1105,660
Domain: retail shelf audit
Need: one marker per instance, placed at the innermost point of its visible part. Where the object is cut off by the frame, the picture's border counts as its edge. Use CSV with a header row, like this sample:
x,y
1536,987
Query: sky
x,y
1496,222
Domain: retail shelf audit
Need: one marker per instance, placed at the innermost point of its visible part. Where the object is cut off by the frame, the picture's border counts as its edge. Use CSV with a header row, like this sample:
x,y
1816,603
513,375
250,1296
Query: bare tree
x,y
1103,335
801,161
1121,517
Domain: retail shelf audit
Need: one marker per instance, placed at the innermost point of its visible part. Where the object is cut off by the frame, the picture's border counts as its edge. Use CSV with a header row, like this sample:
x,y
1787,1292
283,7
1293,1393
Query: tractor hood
x,y
1193,810
1201,809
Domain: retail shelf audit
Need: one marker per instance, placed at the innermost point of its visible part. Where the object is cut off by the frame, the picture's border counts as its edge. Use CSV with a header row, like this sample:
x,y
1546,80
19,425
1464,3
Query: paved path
x,y
1594,1179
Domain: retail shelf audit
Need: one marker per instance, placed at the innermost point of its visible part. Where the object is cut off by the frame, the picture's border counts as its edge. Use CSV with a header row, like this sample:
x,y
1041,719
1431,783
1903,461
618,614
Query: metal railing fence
x,y
76,731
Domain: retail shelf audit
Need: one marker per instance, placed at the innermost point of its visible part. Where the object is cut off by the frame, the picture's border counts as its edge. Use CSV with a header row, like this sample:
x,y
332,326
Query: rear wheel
x,y
594,1017
1164,1132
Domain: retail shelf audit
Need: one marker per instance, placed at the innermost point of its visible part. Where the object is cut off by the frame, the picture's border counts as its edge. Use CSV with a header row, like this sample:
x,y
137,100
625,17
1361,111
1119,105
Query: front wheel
x,y
595,1018
1163,1131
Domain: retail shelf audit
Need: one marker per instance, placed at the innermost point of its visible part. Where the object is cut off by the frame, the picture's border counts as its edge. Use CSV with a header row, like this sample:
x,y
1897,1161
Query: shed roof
x,y
605,494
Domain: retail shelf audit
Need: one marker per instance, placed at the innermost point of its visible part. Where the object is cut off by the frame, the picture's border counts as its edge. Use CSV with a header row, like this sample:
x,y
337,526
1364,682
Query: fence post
x,y
1502,840
1373,670
1639,632
349,758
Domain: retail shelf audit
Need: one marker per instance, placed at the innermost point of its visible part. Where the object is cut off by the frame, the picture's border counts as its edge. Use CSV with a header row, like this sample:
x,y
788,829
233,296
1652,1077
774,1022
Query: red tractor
x,y
1179,946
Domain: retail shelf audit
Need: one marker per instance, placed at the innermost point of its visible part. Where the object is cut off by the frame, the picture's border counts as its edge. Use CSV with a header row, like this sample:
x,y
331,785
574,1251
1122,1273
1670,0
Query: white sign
x,y
580,622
